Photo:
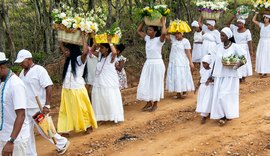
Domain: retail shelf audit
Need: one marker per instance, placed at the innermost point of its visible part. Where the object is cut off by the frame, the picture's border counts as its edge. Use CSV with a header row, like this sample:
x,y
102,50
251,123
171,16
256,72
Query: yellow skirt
x,y
76,113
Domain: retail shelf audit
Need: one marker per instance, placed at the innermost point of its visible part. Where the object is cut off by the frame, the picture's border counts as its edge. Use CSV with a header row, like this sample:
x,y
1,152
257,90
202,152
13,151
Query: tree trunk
x,y
91,4
130,9
2,34
109,18
8,32
46,26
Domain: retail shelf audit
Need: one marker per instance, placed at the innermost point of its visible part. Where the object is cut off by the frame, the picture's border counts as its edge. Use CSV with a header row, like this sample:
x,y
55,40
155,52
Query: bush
x,y
16,69
39,57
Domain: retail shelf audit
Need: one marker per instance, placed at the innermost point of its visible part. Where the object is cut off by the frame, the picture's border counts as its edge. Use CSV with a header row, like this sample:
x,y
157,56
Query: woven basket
x,y
266,11
73,38
230,65
211,15
103,38
154,22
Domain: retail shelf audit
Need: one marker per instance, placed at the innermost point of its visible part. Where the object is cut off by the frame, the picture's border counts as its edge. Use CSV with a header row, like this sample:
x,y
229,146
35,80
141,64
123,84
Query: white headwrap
x,y
242,21
211,22
228,32
195,24
207,59
265,15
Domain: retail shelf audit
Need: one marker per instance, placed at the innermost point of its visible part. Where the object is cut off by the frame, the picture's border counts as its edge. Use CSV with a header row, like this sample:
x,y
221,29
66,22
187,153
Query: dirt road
x,y
175,129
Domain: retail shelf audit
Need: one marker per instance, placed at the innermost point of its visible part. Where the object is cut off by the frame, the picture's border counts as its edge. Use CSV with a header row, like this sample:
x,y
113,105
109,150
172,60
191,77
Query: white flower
x,y
62,15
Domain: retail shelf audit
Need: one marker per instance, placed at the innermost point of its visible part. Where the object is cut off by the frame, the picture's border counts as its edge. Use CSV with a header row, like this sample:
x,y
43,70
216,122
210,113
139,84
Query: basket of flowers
x,y
242,12
70,22
152,15
178,26
233,60
211,9
114,33
262,6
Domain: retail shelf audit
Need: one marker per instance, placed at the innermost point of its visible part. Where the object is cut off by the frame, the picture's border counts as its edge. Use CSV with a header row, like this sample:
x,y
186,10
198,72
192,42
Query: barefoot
x,y
153,108
203,120
89,130
147,106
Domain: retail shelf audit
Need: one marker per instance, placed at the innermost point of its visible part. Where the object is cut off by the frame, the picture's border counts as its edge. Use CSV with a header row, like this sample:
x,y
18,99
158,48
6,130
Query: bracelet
x,y
12,140
110,44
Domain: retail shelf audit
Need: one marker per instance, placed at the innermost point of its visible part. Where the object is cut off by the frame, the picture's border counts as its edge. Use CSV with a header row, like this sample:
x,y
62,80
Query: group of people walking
x,y
93,77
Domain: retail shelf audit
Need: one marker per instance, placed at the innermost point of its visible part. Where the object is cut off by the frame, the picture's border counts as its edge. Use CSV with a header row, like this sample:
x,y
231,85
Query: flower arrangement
x,y
155,12
233,60
114,32
262,5
242,12
178,26
212,6
70,19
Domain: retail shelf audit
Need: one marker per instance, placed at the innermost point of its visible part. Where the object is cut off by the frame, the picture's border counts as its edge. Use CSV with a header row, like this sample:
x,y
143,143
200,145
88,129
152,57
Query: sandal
x,y
153,108
147,107
222,122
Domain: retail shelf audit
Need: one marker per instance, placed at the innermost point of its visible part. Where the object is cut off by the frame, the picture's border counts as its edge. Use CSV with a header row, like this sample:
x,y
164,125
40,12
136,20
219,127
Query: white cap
x,y
228,32
3,58
242,21
211,22
195,24
265,15
207,59
23,54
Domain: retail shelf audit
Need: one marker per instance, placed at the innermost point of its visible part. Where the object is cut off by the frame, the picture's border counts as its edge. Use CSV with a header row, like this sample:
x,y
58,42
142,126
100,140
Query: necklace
x,y
227,46
2,98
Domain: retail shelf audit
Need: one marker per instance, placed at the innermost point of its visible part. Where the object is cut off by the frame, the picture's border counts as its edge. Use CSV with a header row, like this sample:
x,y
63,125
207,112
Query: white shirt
x,y
153,47
225,71
240,38
91,68
35,81
198,37
14,98
76,82
211,35
178,51
265,31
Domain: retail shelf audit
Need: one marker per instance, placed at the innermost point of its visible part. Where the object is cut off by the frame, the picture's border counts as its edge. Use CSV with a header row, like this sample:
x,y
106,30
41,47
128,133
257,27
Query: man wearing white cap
x,y
38,83
211,36
14,128
197,42
263,53
242,37
225,104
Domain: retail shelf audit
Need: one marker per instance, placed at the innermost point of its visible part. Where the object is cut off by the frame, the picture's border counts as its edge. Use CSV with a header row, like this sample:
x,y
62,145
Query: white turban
x,y
195,24
211,22
228,32
207,59
265,15
242,21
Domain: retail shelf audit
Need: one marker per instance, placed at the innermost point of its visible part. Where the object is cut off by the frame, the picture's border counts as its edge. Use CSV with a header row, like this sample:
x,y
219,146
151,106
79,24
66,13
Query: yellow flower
x,y
167,11
150,10
93,27
78,19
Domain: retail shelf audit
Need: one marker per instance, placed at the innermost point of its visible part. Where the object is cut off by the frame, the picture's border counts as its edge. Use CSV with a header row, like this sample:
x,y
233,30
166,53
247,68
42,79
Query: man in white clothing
x,y
38,83
14,128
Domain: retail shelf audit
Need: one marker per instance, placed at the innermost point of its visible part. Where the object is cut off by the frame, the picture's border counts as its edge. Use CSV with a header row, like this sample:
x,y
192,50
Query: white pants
x,y
19,147
31,150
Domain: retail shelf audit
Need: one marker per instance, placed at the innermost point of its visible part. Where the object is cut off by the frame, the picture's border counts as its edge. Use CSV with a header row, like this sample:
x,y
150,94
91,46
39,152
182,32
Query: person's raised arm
x,y
113,49
200,21
163,30
254,19
140,31
85,47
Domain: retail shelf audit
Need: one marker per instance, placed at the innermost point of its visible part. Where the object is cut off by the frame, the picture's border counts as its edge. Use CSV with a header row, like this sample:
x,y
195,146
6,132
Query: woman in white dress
x,y
197,43
211,36
151,84
106,96
179,78
242,37
205,93
263,52
225,104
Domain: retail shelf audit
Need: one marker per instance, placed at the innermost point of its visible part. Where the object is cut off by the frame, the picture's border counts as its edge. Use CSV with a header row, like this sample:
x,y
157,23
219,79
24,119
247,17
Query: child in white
x,y
205,93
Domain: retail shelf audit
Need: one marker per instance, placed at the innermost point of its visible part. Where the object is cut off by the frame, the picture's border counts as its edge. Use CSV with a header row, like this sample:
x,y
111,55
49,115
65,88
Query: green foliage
x,y
39,57
56,79
16,69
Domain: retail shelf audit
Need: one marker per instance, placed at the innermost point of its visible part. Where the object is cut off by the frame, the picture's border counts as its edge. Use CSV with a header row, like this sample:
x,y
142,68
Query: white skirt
x,y
245,70
225,98
179,78
151,84
107,104
263,56
197,52
204,98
